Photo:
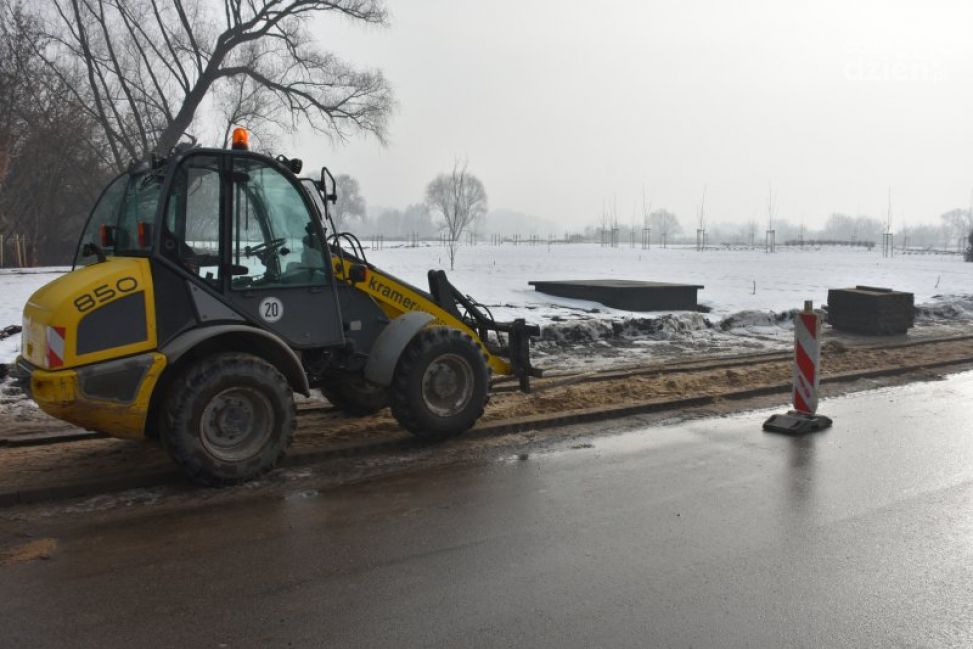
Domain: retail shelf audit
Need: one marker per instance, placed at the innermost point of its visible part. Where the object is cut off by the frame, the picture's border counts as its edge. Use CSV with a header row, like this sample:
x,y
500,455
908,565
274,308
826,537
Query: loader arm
x,y
396,297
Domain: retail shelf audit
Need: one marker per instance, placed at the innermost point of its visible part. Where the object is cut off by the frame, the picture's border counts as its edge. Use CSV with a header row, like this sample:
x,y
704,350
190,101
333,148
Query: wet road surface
x,y
705,534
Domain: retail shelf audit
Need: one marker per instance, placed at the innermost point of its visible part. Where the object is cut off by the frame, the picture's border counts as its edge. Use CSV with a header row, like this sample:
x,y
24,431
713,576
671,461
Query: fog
x,y
561,106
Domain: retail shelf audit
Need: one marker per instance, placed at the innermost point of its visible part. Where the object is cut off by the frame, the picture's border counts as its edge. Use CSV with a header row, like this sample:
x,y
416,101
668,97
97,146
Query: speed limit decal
x,y
271,309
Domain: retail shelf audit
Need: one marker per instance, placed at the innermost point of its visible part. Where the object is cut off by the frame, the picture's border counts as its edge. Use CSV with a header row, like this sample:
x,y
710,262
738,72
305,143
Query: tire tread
x,y
178,439
406,412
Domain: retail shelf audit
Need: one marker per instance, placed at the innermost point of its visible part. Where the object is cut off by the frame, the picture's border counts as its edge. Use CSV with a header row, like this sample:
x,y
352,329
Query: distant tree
x,y
350,203
969,230
460,199
413,221
666,224
924,236
868,228
751,232
149,67
839,227
785,230
958,225
417,219
842,227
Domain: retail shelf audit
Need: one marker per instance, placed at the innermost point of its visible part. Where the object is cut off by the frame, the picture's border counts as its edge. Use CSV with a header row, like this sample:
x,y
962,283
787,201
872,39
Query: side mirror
x,y
330,196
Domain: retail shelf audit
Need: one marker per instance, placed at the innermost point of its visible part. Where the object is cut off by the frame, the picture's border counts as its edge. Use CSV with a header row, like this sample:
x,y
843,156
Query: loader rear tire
x,y
441,384
229,419
356,397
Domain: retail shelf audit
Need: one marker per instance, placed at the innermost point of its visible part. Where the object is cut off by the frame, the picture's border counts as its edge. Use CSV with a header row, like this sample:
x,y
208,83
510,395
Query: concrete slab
x,y
631,295
871,310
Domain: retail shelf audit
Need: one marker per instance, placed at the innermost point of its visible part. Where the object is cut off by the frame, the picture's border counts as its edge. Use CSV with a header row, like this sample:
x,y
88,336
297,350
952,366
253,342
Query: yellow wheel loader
x,y
210,286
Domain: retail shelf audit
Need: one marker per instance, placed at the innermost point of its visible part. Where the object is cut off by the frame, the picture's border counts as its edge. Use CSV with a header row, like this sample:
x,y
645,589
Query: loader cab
x,y
237,229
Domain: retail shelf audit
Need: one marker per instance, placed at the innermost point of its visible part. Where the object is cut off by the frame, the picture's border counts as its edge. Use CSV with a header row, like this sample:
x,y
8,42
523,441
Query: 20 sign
x,y
271,309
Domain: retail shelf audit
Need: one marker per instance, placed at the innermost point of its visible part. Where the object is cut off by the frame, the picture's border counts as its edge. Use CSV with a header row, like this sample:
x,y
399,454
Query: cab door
x,y
279,273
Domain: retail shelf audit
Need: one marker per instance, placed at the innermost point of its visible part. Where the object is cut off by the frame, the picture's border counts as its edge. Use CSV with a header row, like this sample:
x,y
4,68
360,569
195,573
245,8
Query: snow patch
x,y
750,318
945,307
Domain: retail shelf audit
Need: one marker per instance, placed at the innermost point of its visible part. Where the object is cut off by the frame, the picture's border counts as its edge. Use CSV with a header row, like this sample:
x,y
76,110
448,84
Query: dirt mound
x,y
746,319
591,330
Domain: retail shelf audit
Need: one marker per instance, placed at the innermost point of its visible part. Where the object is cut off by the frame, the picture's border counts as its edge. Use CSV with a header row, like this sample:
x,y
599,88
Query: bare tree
x,y
350,203
148,67
49,175
460,198
958,225
666,224
242,101
771,207
701,212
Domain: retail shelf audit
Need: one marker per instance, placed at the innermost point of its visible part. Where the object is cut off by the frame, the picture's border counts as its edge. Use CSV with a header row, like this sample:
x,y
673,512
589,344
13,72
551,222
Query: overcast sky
x,y
560,106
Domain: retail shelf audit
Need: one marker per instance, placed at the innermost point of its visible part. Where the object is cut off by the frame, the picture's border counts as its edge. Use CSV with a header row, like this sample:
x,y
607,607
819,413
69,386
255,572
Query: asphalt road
x,y
706,534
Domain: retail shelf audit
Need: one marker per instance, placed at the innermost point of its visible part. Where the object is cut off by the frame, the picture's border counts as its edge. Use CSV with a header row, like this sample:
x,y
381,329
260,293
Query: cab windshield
x,y
121,220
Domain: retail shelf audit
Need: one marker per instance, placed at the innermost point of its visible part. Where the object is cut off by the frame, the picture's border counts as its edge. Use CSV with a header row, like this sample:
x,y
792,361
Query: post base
x,y
796,423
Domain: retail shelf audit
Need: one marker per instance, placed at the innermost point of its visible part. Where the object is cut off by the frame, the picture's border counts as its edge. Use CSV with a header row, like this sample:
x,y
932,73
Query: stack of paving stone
x,y
871,311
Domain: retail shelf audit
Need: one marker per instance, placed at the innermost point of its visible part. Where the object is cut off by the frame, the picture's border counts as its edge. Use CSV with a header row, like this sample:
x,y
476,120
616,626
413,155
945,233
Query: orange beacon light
x,y
240,139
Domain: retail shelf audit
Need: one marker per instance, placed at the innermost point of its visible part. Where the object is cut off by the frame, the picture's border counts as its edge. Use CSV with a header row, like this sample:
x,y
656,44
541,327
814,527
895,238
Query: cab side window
x,y
104,214
191,232
273,239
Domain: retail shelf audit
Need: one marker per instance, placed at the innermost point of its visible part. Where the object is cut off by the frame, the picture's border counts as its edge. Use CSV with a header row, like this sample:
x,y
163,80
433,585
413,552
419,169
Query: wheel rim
x,y
236,423
447,385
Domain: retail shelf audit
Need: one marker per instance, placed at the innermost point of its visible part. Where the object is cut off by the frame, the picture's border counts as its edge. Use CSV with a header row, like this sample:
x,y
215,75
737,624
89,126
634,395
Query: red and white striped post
x,y
807,358
807,364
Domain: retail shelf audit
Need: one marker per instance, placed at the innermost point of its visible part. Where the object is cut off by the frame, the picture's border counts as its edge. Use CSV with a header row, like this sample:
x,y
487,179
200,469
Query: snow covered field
x,y
499,275
748,292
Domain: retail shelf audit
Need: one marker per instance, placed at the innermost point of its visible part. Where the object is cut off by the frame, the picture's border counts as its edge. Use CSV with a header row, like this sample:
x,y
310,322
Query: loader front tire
x,y
441,384
229,419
